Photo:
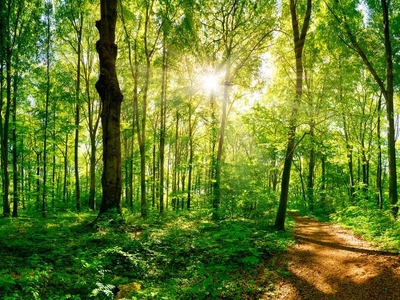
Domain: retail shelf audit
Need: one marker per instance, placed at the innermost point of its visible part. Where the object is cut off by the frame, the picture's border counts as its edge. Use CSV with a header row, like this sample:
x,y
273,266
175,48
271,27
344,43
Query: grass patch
x,y
375,226
183,256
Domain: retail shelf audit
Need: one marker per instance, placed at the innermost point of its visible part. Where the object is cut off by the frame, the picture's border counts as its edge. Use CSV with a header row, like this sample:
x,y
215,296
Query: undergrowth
x,y
375,225
176,256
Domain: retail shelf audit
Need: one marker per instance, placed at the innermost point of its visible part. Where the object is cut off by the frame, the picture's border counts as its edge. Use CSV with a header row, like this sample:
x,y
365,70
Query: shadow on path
x,y
304,239
329,263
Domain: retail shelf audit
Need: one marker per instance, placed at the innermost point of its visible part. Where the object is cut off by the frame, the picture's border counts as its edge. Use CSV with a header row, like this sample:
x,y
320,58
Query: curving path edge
x,y
330,263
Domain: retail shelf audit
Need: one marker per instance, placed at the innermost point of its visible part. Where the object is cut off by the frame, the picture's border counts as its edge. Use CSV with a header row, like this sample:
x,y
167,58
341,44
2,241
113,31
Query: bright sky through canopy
x,y
210,82
362,7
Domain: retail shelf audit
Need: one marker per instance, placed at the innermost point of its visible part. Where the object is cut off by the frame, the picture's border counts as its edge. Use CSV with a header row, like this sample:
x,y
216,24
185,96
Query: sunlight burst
x,y
210,82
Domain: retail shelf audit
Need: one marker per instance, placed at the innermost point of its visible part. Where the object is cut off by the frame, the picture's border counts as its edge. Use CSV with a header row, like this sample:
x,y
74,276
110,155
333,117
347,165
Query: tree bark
x,y
111,97
142,144
163,116
14,150
6,211
155,162
191,154
65,183
92,173
311,167
49,7
213,142
38,153
176,164
22,195
393,195
379,162
4,141
323,180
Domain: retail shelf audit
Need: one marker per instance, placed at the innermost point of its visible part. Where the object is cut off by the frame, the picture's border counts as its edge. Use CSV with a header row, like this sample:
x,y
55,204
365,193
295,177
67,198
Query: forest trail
x,y
328,262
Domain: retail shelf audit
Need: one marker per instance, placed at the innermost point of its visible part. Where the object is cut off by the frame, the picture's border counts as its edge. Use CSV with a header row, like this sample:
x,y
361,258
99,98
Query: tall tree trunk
x,y
93,124
7,53
379,193
30,178
303,189
365,170
14,149
111,97
92,172
23,177
388,94
218,162
176,164
49,7
299,40
274,172
323,179
38,154
77,113
6,211
131,167
311,167
134,69
349,147
154,170
163,120
183,177
129,194
53,169
386,85
191,153
168,177
5,137
213,142
142,145
142,128
65,169
350,164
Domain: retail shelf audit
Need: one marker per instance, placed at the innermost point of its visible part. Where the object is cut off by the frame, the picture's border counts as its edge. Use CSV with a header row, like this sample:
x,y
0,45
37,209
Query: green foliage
x,y
166,257
375,225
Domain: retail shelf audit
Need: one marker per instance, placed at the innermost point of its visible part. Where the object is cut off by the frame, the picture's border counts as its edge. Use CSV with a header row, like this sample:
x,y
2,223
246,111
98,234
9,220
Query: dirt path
x,y
329,263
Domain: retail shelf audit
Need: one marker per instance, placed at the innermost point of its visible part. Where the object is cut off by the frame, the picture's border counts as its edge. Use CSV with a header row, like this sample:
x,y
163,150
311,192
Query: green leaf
x,y
251,260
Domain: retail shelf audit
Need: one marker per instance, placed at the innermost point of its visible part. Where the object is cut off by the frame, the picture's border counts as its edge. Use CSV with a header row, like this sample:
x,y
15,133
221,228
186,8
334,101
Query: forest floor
x,y
328,262
179,255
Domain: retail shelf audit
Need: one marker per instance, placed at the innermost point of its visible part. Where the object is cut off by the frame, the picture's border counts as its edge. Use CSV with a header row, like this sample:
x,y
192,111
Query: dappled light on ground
x,y
329,263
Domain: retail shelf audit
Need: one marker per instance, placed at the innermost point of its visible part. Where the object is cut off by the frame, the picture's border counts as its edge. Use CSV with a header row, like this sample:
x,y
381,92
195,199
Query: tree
x,y
163,104
299,38
142,41
77,23
237,32
7,51
93,120
379,172
15,54
78,35
111,96
358,38
49,9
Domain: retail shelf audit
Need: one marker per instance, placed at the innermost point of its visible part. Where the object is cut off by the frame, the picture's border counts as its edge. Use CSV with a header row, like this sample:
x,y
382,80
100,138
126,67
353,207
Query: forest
x,y
152,149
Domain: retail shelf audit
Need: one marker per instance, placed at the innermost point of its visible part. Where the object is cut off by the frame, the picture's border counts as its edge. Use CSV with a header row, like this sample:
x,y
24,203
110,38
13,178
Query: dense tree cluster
x,y
226,104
